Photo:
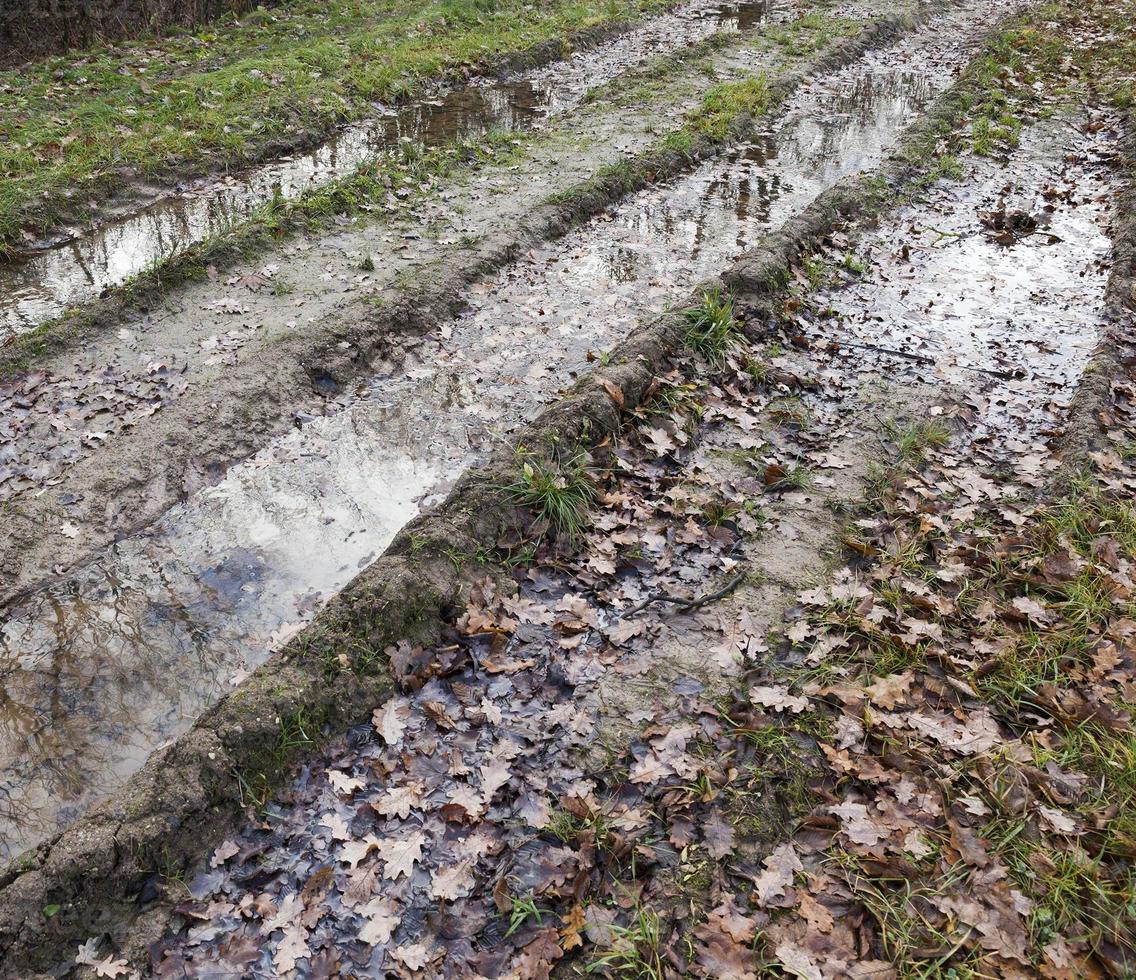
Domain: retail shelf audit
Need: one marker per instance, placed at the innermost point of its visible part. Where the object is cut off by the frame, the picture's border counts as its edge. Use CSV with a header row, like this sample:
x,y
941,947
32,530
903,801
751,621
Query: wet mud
x,y
107,664
43,284
995,287
505,738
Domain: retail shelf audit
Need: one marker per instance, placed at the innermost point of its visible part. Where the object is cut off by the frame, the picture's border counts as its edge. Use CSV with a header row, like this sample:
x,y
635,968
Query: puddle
x,y
46,283
1014,322
103,667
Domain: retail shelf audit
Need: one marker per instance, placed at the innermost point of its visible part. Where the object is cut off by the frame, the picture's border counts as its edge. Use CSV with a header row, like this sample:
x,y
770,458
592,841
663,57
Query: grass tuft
x,y
558,493
711,329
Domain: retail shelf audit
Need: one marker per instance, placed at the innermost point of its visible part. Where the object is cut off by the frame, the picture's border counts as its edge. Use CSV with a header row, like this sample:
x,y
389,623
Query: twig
x,y
688,605
921,358
924,359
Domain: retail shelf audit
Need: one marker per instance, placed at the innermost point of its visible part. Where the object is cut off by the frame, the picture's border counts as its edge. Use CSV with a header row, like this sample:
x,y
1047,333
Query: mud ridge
x,y
346,351
1085,433
101,870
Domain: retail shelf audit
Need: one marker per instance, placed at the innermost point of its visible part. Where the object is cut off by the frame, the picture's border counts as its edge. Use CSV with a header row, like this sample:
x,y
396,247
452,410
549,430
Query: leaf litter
x,y
932,772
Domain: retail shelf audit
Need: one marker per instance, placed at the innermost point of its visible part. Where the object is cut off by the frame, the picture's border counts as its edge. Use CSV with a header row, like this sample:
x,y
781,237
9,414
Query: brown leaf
x,y
614,392
718,835
570,931
535,963
381,921
399,855
775,881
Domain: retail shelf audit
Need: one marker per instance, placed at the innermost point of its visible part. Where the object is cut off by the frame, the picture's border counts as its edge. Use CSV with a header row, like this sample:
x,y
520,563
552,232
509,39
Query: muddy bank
x,y
1095,394
409,587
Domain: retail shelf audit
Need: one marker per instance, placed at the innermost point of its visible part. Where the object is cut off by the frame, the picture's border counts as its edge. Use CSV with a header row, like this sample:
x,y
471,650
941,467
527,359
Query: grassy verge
x,y
78,126
1060,53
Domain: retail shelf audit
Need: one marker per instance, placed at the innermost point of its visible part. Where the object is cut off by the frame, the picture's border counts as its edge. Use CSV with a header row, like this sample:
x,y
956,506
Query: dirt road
x,y
746,437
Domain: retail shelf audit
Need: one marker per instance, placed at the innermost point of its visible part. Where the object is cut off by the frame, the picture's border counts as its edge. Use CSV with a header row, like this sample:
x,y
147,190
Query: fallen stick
x,y
924,359
688,605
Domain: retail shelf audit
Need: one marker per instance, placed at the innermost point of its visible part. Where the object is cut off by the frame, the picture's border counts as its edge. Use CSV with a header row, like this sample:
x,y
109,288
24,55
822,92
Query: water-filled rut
x,y
45,283
105,665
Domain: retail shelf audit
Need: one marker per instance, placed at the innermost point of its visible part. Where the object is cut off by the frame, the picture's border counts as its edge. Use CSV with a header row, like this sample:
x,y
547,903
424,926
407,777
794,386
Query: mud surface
x,y
103,441
995,287
82,265
454,795
105,665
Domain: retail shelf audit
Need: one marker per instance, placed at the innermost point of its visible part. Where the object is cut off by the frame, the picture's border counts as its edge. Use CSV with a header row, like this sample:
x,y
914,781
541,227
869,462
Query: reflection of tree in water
x,y
748,190
867,104
622,264
96,673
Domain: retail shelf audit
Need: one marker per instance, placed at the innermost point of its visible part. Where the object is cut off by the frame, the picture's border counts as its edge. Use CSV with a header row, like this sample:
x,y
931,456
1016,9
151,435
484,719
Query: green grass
x,y
559,493
912,440
809,34
725,102
525,908
636,952
712,331
76,125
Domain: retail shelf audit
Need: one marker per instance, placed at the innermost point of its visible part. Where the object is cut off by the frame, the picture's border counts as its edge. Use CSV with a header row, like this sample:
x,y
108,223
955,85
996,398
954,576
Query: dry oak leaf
x,y
815,914
398,801
390,720
468,799
381,921
533,809
649,769
337,824
535,962
1058,820
354,851
293,947
343,783
779,699
889,691
494,775
452,883
1032,609
720,955
106,967
399,855
223,853
741,928
858,825
780,868
570,932
290,909
797,961
413,957
614,392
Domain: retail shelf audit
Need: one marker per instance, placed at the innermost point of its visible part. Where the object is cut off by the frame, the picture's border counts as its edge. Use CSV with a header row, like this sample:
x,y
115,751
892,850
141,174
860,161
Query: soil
x,y
188,607
613,557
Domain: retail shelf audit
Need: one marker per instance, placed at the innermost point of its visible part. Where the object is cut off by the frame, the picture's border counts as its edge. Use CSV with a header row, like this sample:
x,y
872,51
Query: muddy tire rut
x,y
781,422
188,609
520,762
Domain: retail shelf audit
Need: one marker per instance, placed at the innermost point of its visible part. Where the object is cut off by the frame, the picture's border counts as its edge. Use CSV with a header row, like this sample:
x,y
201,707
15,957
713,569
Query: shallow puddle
x,y
101,668
42,285
993,285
